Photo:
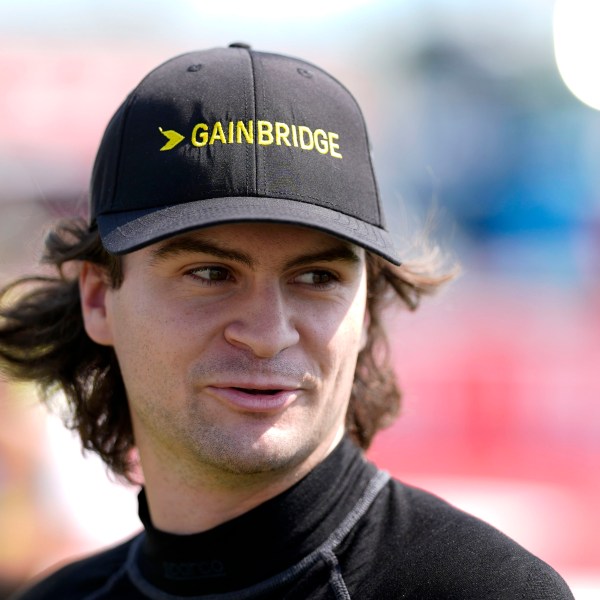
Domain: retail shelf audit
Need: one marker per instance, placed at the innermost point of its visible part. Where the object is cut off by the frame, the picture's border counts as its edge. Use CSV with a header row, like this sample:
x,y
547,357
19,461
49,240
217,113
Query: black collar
x,y
261,542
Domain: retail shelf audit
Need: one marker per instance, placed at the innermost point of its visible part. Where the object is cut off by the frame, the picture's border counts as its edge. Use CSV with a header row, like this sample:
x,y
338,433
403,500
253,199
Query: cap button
x,y
240,45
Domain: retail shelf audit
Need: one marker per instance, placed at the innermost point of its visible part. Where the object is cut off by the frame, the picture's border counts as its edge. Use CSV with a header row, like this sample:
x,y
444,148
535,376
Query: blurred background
x,y
480,114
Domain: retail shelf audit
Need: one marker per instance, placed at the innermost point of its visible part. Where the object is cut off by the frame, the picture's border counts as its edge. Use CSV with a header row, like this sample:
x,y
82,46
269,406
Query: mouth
x,y
256,400
257,392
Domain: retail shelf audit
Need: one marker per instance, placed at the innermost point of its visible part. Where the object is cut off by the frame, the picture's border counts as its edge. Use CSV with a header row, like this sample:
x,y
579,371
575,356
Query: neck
x,y
264,541
192,500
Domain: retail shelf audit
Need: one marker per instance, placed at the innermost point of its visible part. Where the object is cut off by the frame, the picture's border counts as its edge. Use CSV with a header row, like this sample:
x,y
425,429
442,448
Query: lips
x,y
255,399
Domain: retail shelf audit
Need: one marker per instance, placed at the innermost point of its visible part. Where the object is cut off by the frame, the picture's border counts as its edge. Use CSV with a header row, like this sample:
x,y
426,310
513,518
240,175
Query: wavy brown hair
x,y
43,339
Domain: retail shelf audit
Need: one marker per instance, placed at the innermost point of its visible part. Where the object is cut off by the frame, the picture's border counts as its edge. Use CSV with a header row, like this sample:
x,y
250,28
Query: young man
x,y
224,328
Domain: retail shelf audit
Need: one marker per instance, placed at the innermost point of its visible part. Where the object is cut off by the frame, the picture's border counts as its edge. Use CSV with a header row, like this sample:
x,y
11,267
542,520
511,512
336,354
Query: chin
x,y
273,451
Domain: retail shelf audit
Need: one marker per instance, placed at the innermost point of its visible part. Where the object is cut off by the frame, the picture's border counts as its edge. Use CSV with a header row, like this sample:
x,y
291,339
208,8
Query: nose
x,y
264,322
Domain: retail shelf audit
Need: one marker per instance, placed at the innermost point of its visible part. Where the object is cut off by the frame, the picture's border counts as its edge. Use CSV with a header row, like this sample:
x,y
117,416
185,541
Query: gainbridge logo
x,y
263,133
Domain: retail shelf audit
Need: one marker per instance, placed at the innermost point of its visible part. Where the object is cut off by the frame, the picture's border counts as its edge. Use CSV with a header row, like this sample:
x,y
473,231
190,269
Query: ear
x,y
94,287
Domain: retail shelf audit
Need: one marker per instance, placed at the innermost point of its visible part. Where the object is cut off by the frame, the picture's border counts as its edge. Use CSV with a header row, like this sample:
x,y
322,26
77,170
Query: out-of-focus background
x,y
471,118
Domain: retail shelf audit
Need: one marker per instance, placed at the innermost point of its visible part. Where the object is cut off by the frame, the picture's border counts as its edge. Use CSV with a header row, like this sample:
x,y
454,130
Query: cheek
x,y
349,343
338,339
140,319
159,338
354,325
145,341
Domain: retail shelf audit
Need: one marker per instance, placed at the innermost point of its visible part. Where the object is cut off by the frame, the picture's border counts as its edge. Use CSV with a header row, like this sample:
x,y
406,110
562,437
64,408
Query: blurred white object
x,y
577,46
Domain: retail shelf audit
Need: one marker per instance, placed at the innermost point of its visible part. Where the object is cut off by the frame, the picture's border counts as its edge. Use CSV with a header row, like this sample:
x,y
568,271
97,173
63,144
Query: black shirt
x,y
345,531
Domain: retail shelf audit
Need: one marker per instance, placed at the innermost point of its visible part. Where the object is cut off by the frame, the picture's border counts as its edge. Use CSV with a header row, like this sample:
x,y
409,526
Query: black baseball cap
x,y
233,135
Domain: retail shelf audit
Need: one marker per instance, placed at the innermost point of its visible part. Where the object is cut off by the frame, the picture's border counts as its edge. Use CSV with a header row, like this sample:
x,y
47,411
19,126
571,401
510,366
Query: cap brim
x,y
124,232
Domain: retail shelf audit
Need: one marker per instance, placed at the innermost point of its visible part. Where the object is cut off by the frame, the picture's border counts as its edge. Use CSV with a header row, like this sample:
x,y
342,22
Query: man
x,y
224,327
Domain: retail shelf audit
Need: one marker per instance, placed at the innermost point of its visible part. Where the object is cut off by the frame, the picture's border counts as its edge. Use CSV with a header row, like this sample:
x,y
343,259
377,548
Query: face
x,y
237,344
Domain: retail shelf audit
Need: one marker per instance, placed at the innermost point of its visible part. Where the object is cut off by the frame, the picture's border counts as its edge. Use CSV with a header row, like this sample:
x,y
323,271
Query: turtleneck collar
x,y
261,542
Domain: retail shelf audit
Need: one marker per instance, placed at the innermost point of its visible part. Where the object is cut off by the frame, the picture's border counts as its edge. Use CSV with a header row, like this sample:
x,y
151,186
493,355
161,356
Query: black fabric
x,y
409,544
228,135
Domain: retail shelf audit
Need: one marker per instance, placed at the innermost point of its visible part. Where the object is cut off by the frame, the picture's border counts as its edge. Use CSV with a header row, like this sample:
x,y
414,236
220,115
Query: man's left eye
x,y
316,278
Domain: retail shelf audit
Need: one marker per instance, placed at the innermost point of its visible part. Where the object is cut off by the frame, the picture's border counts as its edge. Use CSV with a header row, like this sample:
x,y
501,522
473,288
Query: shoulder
x,y
81,578
436,550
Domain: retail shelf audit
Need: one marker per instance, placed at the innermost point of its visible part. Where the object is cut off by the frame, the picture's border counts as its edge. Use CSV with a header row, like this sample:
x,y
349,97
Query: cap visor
x,y
127,231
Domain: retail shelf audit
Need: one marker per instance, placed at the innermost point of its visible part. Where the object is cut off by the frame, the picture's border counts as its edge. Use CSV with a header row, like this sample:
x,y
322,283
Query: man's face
x,y
238,344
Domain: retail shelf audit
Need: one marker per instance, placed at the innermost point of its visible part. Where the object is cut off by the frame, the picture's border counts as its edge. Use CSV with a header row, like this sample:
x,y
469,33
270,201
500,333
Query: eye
x,y
210,274
319,278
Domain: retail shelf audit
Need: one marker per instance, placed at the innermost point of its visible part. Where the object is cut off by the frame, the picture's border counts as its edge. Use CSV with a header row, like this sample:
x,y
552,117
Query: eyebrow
x,y
341,252
193,245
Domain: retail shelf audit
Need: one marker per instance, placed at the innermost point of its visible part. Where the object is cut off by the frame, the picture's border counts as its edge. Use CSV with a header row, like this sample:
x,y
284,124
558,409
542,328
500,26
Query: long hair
x,y
43,339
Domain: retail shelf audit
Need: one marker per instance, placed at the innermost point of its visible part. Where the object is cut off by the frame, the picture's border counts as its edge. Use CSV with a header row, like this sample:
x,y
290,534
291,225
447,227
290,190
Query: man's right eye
x,y
210,274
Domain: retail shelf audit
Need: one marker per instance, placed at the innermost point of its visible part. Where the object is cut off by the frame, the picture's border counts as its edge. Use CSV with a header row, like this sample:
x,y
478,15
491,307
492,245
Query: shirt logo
x,y
194,570
263,133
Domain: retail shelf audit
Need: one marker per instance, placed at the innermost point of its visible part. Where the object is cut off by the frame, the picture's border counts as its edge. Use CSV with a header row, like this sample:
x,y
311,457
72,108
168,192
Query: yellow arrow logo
x,y
173,137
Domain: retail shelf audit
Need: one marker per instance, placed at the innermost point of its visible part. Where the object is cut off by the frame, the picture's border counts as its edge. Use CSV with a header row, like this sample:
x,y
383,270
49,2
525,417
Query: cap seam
x,y
254,148
362,121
